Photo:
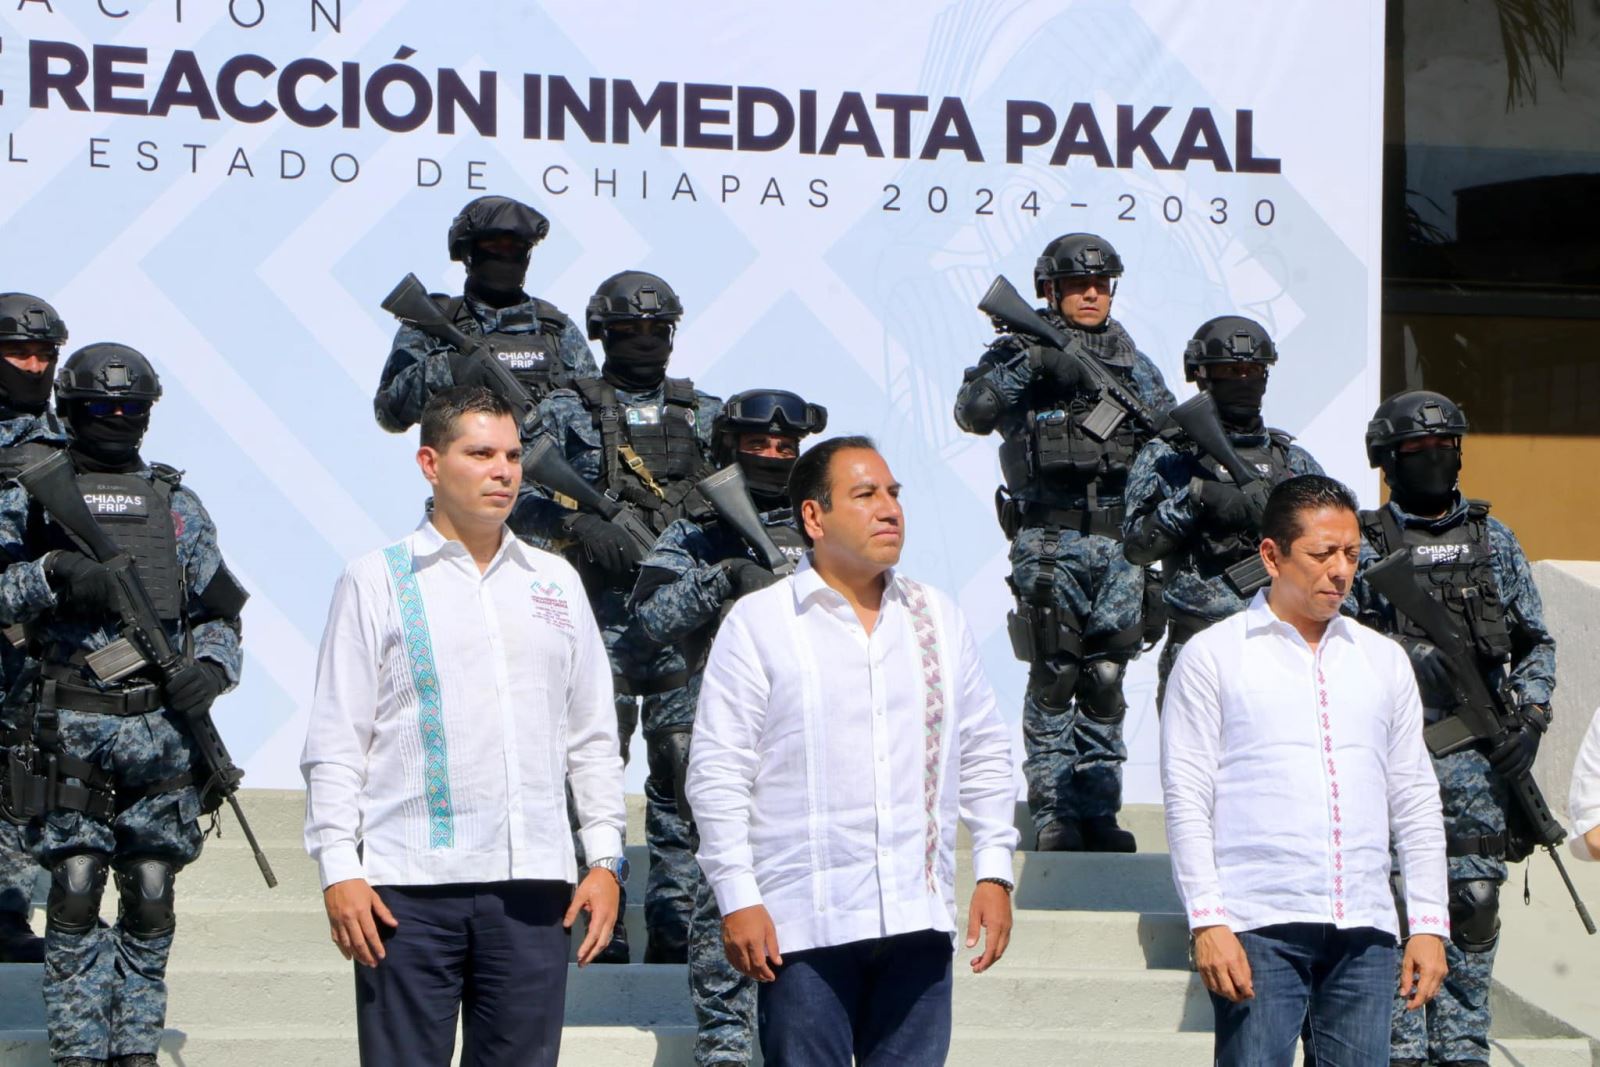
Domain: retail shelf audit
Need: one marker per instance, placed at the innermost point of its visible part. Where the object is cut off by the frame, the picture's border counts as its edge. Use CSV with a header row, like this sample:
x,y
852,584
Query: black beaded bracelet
x,y
1001,882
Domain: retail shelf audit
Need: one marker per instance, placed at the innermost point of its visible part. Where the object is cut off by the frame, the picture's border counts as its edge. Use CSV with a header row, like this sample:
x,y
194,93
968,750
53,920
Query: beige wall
x,y
1547,489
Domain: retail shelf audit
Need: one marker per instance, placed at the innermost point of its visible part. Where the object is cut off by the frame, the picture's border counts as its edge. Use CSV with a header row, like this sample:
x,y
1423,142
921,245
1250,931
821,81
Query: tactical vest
x,y
1456,567
135,511
1052,450
661,437
1212,554
14,459
780,527
533,356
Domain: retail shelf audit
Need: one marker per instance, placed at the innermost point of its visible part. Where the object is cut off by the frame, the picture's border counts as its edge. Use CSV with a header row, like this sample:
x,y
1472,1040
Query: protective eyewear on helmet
x,y
101,409
785,409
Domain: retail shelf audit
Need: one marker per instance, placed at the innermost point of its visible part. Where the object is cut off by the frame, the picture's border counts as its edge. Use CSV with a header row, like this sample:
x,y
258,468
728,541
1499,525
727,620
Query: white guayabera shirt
x,y
451,709
1287,774
829,766
1583,801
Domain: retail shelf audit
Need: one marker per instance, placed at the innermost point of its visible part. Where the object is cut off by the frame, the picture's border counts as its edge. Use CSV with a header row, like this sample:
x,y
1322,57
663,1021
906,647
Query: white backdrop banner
x,y
232,186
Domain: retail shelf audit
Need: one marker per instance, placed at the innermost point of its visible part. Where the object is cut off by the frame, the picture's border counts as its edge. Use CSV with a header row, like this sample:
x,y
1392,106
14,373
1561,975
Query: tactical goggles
x,y
784,409
101,409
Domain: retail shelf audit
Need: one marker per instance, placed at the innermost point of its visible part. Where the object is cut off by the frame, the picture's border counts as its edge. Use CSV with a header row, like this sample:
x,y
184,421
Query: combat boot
x,y
136,1059
18,943
1060,835
1102,834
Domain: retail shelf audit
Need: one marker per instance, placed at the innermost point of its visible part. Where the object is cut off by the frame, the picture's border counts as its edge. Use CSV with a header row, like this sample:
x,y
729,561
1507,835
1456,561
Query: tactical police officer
x,y
493,236
1472,564
31,336
1185,507
127,802
1079,616
696,570
644,438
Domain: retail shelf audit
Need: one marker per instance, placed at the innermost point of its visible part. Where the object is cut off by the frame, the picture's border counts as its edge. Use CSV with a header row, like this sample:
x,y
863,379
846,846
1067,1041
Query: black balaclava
x,y
497,279
109,444
636,362
1238,401
23,390
1424,483
767,478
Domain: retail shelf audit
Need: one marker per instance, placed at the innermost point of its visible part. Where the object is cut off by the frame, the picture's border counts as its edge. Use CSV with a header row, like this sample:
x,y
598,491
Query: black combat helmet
x,y
24,317
490,215
1228,339
629,296
106,371
1081,255
1415,413
774,411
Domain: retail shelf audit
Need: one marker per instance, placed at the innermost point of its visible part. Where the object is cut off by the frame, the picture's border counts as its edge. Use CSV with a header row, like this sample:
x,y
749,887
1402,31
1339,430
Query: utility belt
x,y
119,702
649,687
1489,846
1017,515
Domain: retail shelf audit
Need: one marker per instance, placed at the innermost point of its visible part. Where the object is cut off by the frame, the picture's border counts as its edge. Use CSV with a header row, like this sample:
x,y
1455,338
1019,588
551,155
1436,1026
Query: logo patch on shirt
x,y
125,505
550,605
520,358
1444,553
644,415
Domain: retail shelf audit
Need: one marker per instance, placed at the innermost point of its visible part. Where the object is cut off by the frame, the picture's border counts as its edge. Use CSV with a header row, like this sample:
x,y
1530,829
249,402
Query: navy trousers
x,y
493,952
878,1003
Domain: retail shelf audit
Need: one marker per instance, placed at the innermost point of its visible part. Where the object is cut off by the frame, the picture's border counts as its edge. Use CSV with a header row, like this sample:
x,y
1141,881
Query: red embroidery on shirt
x,y
1201,913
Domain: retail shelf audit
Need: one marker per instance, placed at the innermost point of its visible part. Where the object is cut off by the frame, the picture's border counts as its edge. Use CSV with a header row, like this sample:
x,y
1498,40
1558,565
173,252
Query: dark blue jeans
x,y
1339,984
878,1003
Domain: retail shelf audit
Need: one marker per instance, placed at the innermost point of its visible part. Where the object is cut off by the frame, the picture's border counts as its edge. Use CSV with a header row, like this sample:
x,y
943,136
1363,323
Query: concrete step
x,y
278,815
226,872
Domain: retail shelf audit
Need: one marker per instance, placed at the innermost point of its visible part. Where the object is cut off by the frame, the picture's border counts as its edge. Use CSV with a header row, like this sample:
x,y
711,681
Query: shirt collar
x,y
808,583
1260,618
428,544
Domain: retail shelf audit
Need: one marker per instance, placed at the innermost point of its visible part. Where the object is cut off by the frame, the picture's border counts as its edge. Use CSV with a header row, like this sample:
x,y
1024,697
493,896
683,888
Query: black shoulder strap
x,y
161,472
601,399
550,316
679,391
1373,530
461,315
1282,438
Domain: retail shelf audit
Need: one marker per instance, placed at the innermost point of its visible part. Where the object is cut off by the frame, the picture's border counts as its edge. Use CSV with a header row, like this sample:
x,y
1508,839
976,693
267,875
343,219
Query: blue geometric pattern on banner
x,y
430,707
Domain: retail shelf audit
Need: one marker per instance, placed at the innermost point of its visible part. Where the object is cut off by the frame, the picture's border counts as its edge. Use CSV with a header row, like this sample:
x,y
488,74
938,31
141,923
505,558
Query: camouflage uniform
x,y
1164,522
18,871
640,665
419,365
1454,1027
1066,553
104,989
682,591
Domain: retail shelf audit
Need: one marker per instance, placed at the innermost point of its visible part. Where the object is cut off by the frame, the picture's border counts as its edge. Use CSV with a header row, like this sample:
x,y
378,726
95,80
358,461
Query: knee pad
x,y
1475,914
146,894
668,755
76,884
1100,691
1052,682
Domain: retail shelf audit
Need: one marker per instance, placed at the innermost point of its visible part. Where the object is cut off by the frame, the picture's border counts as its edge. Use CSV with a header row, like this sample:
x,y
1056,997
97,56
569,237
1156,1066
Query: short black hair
x,y
810,480
1291,499
441,415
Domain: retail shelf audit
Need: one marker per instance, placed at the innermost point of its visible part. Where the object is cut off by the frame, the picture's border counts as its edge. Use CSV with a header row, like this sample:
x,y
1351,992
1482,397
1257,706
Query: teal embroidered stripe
x,y
430,704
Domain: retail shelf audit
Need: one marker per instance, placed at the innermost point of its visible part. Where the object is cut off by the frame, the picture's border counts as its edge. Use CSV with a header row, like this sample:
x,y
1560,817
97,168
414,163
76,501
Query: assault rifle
x,y
542,463
1480,714
727,493
1010,313
410,303
1197,418
144,640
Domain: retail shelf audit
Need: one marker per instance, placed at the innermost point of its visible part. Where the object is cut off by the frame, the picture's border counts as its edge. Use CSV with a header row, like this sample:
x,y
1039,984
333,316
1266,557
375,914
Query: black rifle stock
x,y
544,464
1481,713
410,303
52,483
1197,417
727,492
1011,313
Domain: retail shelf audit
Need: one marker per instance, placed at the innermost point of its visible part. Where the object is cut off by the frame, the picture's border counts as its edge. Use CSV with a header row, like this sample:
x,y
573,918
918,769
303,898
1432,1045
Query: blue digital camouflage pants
x,y
18,872
1074,765
669,890
105,990
724,1000
1454,1027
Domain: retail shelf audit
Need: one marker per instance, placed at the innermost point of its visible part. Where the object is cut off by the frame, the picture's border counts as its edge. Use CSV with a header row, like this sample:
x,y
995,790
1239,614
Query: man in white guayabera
x,y
462,683
844,727
1291,758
